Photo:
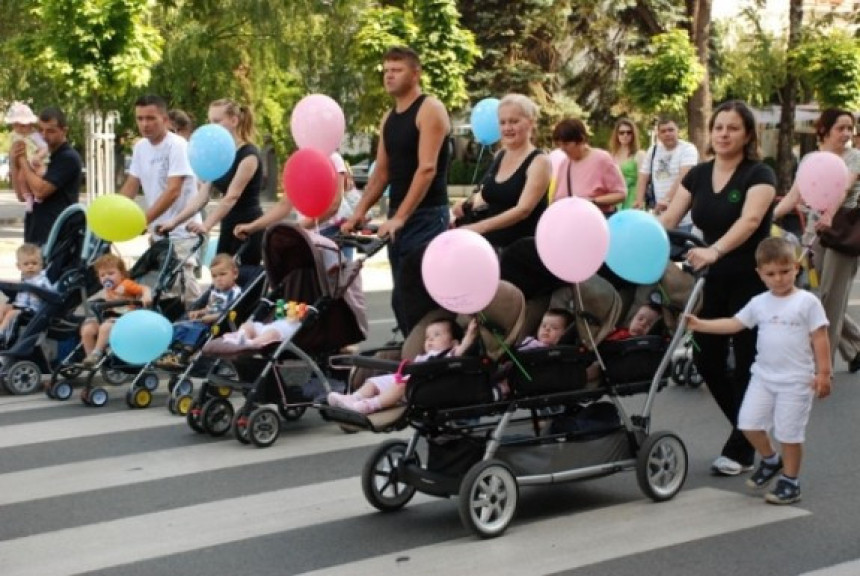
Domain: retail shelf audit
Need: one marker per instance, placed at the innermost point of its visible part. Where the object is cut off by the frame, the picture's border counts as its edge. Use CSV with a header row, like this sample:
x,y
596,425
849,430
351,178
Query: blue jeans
x,y
189,333
424,225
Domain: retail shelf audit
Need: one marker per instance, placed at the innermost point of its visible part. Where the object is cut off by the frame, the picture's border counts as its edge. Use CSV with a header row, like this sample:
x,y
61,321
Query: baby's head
x,y
111,270
553,325
29,260
643,320
21,118
441,335
224,272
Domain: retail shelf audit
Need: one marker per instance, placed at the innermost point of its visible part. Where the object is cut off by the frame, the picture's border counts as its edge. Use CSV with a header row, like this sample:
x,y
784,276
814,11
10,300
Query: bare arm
x,y
468,339
538,176
641,185
679,206
130,187
788,203
823,368
244,172
277,213
723,326
193,207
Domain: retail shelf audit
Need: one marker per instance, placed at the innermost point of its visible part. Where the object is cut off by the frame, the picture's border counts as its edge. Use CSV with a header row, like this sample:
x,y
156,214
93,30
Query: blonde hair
x,y
614,143
245,129
525,104
224,260
28,250
110,261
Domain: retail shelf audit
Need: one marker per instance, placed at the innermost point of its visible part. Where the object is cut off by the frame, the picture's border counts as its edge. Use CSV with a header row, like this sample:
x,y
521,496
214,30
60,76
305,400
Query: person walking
x,y
730,199
624,147
412,159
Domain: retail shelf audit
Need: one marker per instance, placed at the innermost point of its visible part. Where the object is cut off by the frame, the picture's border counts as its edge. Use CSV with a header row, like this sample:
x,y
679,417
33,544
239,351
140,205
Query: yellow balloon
x,y
115,218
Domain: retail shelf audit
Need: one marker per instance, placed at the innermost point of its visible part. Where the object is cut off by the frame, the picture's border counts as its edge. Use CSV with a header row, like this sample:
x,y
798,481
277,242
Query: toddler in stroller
x,y
443,337
120,294
29,261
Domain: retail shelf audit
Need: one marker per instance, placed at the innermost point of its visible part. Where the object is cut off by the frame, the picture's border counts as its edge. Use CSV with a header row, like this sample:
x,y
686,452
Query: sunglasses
x,y
625,132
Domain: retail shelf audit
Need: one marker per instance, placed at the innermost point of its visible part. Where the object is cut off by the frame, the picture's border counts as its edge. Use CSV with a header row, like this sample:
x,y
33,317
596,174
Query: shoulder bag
x,y
843,234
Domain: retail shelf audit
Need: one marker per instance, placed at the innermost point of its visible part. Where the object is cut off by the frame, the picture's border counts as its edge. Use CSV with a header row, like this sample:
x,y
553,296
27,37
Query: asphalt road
x,y
114,491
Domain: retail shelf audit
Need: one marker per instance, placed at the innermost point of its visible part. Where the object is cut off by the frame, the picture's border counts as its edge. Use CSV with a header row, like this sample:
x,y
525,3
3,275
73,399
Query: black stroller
x,y
285,378
555,426
160,260
68,254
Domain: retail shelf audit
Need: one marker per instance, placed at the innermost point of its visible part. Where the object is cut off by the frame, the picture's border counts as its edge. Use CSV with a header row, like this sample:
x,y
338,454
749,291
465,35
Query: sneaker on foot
x,y
854,365
784,493
93,358
725,466
764,474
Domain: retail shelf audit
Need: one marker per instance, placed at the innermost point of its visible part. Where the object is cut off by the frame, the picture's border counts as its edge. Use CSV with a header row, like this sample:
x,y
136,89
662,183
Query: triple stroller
x,y
555,426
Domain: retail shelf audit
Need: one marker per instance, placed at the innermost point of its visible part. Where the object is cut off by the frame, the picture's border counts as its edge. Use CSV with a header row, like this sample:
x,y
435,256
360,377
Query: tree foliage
x,y
828,66
665,78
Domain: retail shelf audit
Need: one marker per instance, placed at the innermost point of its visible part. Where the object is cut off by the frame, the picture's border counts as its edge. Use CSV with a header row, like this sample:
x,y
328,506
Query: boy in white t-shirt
x,y
792,366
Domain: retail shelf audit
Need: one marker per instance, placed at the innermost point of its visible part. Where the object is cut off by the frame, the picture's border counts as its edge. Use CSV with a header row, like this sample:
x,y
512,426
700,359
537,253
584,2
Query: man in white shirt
x,y
665,165
159,165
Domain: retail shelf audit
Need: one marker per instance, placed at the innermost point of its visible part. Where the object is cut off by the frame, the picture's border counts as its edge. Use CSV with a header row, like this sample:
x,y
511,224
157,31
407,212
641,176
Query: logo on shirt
x,y
734,195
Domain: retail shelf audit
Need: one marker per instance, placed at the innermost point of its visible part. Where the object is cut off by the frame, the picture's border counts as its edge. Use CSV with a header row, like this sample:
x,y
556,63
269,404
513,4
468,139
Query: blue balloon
x,y
211,152
638,247
141,336
485,121
211,248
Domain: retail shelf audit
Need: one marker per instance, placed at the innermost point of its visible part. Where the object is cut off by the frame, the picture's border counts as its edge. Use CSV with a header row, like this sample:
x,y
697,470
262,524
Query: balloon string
x,y
478,164
507,350
588,328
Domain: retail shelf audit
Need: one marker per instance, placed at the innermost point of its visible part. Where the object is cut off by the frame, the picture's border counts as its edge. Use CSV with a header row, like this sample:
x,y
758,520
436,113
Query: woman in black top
x,y
731,200
240,187
513,192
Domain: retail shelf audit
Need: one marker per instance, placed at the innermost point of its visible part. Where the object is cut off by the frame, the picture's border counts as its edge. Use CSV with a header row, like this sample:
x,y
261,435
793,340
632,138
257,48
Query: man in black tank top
x,y
412,159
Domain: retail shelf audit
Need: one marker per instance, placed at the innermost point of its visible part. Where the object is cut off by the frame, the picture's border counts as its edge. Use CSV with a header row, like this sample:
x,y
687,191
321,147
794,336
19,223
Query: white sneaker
x,y
724,466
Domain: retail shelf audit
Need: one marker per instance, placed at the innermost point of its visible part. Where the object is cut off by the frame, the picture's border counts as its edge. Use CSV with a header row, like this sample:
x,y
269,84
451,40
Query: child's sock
x,y
771,460
368,405
790,480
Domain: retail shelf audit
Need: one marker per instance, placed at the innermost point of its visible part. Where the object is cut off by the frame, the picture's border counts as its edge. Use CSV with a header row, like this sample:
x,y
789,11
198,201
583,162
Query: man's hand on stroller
x,y
390,227
197,228
242,231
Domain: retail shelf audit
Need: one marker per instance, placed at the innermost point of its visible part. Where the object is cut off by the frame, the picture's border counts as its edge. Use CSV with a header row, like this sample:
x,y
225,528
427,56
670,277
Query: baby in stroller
x,y
118,287
442,337
187,333
29,262
640,325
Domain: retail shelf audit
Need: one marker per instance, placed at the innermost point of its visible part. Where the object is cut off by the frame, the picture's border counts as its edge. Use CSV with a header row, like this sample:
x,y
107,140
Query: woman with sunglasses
x,y
624,147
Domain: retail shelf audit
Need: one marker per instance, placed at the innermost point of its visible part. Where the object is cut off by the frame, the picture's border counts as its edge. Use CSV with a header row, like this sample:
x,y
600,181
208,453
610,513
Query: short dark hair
x,y
53,113
404,54
828,119
775,250
181,119
562,313
664,119
751,150
570,130
152,100
455,329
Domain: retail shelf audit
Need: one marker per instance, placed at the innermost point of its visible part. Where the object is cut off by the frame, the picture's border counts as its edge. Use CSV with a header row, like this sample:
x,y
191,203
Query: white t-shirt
x,y
153,165
784,349
667,168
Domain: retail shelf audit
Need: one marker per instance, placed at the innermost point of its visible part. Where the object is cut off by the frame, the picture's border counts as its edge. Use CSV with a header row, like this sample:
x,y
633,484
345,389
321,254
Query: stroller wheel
x,y
488,498
292,413
223,391
380,478
691,375
183,404
138,397
98,397
184,388
62,390
216,416
193,417
661,466
240,427
150,381
678,376
113,376
23,377
264,426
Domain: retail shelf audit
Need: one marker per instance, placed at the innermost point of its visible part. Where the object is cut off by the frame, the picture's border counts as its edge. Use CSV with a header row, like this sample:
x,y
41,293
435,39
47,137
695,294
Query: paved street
x,y
113,491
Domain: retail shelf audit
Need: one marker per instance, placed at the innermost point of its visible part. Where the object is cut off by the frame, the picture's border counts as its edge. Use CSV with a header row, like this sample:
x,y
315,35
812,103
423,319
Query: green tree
x,y
665,78
828,66
433,29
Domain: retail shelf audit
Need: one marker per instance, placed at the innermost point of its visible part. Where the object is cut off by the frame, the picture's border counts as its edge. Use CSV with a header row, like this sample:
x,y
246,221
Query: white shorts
x,y
781,407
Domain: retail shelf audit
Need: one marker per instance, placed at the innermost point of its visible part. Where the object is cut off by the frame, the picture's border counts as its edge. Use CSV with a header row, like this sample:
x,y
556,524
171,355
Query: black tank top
x,y
401,145
501,196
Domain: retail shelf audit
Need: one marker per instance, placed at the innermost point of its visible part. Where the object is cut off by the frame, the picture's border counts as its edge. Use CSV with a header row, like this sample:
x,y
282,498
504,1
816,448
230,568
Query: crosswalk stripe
x,y
84,476
548,547
845,569
106,544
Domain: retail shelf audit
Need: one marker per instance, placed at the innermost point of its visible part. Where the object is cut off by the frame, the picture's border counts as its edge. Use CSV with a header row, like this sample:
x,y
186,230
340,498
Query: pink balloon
x,y
310,181
572,239
556,157
822,179
461,271
317,122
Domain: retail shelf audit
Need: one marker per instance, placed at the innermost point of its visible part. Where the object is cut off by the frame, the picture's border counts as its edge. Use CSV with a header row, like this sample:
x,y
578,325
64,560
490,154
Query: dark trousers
x,y
229,244
724,296
424,225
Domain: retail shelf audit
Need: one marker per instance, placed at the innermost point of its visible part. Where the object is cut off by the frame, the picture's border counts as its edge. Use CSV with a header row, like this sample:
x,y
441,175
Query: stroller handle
x,y
367,244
